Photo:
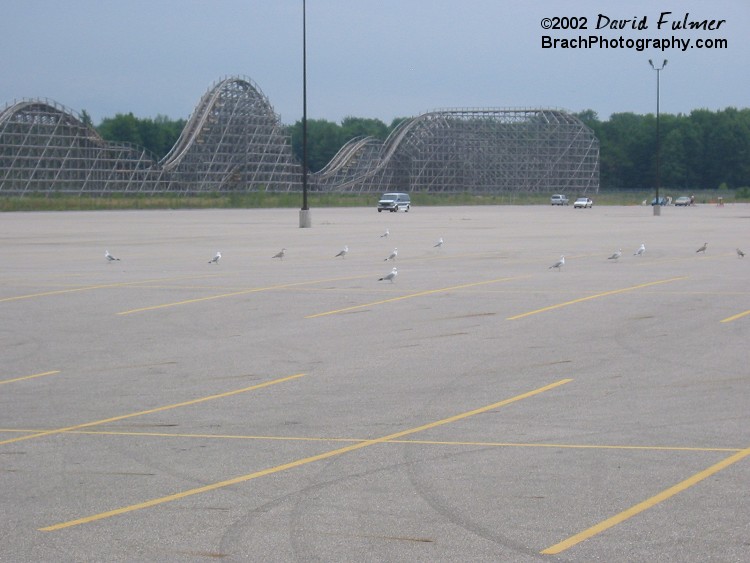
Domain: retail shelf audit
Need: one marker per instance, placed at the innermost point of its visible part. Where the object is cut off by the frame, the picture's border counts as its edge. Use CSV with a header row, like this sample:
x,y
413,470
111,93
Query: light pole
x,y
305,220
657,207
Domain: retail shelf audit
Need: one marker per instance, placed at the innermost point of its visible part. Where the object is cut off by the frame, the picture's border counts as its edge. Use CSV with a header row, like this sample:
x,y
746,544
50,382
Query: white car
x,y
583,202
558,199
393,202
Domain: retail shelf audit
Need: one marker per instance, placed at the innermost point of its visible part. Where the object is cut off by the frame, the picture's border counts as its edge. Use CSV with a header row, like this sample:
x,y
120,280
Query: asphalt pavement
x,y
481,406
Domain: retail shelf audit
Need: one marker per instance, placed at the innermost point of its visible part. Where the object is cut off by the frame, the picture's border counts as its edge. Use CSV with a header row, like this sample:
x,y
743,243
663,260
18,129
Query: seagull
x,y
439,243
385,234
343,252
740,254
559,264
641,251
616,255
109,257
389,276
392,255
280,254
702,248
215,259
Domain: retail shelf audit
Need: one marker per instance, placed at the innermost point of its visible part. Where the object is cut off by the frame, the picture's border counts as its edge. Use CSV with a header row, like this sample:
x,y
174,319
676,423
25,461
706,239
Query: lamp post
x,y
657,207
305,221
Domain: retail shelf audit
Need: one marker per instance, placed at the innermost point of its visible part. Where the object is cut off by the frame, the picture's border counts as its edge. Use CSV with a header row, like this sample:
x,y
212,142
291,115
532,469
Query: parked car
x,y
583,202
683,200
393,202
558,199
662,201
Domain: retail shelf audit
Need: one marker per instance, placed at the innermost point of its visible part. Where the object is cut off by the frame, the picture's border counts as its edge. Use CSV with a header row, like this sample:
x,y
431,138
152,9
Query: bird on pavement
x,y
343,252
616,255
215,259
559,264
702,248
109,257
389,276
392,255
740,254
385,234
641,250
439,243
280,254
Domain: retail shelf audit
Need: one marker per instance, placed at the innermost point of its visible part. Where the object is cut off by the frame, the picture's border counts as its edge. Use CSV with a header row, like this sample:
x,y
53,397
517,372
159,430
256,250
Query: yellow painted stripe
x,y
410,296
86,288
567,446
735,317
596,296
299,462
646,504
151,411
61,291
473,443
232,294
29,376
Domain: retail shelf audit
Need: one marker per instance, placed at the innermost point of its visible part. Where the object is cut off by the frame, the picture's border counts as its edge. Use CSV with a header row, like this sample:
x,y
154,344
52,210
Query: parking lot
x,y
483,406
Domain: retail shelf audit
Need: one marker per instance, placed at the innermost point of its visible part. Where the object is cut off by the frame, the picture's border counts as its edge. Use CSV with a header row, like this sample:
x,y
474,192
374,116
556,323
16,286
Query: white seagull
x,y
215,259
616,255
385,234
740,254
559,264
389,276
641,250
702,248
280,254
109,257
343,252
392,255
439,243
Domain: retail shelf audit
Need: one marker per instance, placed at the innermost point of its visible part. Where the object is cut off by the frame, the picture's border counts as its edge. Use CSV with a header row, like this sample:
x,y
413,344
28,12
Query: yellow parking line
x,y
85,288
300,462
232,294
150,411
63,291
472,443
410,295
735,317
29,376
596,296
646,504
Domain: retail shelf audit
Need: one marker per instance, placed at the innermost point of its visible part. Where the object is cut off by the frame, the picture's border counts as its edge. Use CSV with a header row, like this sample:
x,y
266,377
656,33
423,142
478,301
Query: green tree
x,y
121,128
156,135
86,119
324,139
674,170
352,127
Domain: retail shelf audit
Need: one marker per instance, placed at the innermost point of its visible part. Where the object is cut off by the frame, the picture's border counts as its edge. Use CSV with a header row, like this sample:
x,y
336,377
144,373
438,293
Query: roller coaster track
x,y
209,104
233,140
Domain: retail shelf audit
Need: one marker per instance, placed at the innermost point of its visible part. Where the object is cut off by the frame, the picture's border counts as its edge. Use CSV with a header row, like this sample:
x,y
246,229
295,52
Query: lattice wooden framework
x,y
235,142
472,150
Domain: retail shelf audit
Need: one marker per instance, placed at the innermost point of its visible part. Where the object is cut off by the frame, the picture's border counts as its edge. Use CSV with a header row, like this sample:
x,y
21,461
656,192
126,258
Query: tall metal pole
x,y
657,207
304,214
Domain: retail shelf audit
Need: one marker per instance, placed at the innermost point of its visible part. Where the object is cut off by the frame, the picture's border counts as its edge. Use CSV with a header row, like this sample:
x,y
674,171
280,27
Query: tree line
x,y
701,150
156,135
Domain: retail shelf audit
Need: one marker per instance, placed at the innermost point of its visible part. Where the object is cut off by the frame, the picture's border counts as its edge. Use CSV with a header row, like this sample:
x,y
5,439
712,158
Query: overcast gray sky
x,y
368,58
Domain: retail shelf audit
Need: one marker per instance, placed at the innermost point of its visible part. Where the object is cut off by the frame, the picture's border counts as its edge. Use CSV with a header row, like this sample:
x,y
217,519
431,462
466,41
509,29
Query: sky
x,y
382,59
